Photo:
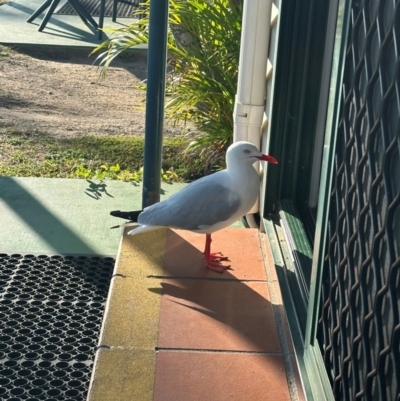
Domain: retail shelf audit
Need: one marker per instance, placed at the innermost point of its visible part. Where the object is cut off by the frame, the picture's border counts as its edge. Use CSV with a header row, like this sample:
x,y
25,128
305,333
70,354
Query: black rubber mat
x,y
51,309
125,8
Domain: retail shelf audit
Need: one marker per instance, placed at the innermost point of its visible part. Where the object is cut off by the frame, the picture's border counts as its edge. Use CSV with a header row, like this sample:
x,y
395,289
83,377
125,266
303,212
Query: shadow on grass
x,y
9,101
135,62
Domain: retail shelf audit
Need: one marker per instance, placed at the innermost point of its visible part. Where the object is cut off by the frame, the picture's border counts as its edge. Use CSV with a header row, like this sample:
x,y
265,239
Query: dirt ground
x,y
59,92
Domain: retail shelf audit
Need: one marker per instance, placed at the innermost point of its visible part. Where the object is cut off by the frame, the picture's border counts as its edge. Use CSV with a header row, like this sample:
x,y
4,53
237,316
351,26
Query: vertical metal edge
x,y
334,102
288,302
295,100
316,371
279,98
155,99
309,359
323,103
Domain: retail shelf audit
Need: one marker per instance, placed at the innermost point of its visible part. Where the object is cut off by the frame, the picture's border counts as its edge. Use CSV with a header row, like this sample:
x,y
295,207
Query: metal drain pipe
x,y
250,97
155,94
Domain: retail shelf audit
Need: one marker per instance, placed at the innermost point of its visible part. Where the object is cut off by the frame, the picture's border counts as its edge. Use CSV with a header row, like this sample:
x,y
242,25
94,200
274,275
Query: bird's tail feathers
x,y
132,215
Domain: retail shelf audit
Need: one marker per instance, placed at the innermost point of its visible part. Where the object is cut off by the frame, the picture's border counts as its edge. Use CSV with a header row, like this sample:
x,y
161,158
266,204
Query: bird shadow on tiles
x,y
205,310
219,315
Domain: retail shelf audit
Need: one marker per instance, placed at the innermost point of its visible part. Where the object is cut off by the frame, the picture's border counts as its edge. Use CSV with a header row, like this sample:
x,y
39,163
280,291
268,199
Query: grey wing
x,y
198,204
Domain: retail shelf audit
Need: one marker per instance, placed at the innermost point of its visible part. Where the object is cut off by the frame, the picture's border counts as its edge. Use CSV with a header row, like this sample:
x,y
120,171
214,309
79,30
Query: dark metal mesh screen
x,y
359,327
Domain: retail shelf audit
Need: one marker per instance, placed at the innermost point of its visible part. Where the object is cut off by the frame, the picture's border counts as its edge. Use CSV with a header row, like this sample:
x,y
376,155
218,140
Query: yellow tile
x,y
132,313
131,316
142,255
125,362
123,375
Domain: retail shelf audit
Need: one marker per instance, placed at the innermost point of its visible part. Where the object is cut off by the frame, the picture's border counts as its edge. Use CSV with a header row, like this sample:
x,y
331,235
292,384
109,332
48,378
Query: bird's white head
x,y
246,153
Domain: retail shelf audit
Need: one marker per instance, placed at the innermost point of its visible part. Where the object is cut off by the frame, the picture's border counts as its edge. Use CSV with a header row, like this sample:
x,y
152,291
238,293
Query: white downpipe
x,y
250,97
251,221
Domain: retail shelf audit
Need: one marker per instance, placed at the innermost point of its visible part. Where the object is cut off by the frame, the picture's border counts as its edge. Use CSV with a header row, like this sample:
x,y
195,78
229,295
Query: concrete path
x,y
61,30
51,215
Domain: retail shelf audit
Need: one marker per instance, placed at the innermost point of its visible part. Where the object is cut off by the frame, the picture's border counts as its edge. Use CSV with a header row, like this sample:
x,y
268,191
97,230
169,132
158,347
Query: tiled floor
x,y
190,376
200,335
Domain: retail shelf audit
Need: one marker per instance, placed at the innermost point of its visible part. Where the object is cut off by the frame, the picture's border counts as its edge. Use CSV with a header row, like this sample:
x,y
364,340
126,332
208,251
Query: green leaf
x,y
203,55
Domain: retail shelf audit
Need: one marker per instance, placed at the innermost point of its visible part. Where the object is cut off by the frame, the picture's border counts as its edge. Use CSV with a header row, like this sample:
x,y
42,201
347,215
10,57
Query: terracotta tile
x,y
184,254
217,315
183,376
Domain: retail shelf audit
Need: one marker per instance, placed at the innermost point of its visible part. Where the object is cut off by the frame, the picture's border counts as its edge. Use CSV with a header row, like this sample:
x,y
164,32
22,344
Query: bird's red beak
x,y
268,159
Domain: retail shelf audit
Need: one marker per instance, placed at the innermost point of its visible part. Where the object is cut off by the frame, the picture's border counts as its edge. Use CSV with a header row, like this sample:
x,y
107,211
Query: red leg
x,y
213,260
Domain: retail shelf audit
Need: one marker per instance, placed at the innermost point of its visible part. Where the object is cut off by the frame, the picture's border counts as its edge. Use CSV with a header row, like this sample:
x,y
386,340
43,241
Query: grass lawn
x,y
34,154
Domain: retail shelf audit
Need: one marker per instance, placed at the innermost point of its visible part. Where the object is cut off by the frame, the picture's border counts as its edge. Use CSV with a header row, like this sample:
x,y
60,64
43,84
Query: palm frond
x,y
203,54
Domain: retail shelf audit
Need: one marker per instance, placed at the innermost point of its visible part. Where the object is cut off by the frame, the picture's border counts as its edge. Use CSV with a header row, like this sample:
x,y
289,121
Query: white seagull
x,y
208,204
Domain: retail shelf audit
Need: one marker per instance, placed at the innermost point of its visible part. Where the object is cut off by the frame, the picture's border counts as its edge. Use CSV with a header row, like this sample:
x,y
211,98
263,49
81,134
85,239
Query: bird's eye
x,y
246,151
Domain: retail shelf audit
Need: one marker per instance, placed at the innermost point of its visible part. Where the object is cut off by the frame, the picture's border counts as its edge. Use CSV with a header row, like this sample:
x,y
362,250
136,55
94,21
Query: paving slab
x,y
193,337
184,255
54,215
189,376
61,30
130,378
217,315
